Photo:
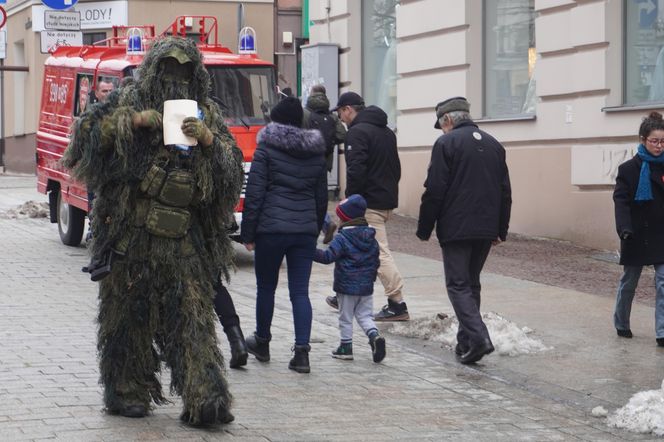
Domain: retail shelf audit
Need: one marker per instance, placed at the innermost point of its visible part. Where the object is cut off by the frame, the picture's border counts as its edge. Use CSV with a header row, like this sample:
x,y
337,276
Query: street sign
x,y
3,19
59,4
62,20
51,39
3,44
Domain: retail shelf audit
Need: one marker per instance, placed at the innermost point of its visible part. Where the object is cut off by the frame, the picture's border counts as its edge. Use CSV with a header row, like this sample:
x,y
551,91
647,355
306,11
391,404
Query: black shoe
x,y
460,349
393,311
624,333
129,410
134,411
344,351
333,302
329,233
259,347
377,343
300,361
239,352
660,342
476,352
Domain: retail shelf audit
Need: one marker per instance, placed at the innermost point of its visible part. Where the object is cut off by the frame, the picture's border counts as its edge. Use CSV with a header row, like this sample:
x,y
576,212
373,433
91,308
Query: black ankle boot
x,y
300,361
259,347
238,346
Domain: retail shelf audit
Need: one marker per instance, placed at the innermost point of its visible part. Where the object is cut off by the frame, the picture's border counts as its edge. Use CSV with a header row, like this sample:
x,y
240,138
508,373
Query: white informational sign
x,y
94,15
62,20
51,39
175,111
3,44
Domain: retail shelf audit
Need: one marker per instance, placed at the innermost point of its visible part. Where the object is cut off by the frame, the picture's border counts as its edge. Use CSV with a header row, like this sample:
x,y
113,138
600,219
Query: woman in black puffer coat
x,y
284,208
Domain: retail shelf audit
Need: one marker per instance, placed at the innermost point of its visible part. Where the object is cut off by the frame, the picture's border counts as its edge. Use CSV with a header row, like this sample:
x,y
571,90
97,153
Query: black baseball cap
x,y
348,99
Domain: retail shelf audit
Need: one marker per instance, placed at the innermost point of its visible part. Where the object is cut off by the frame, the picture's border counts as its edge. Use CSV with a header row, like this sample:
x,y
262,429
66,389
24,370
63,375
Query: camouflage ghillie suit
x,y
162,213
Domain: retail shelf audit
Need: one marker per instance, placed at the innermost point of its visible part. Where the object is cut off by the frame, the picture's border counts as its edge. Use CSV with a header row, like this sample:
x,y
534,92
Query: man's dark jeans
x,y
299,251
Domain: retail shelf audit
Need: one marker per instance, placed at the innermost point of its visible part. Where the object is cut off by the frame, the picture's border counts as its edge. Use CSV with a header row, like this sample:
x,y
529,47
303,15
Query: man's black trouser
x,y
463,262
224,307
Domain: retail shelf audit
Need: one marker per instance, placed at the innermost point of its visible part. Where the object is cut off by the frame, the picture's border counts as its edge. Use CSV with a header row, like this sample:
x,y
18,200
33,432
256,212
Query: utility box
x,y
320,65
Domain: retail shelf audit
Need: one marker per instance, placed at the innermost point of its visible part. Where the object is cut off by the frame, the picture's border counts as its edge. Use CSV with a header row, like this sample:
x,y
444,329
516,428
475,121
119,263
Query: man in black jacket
x,y
468,198
373,170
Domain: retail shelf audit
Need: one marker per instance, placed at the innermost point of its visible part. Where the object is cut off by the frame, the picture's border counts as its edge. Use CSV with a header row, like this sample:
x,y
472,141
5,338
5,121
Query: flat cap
x,y
451,105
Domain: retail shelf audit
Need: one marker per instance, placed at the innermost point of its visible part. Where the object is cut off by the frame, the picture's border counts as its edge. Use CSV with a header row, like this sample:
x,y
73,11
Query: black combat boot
x,y
238,346
259,347
300,361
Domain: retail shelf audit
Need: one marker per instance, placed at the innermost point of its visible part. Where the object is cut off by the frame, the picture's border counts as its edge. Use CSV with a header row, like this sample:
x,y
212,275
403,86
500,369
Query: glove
x,y
626,235
150,119
195,128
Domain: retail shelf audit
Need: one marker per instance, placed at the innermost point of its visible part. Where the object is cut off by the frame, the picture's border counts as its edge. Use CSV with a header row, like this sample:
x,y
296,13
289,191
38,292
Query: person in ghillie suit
x,y
159,219
355,252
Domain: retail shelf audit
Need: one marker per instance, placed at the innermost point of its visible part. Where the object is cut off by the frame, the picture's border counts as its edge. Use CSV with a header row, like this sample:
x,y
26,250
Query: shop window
x,y
644,51
510,56
379,55
90,38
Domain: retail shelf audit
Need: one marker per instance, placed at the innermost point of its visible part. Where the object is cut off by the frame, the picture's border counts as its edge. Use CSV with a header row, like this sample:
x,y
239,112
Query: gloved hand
x,y
195,128
150,119
626,235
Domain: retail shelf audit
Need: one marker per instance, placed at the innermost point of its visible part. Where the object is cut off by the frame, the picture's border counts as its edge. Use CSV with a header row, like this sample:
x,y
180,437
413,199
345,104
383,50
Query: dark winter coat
x,y
287,184
373,169
354,250
643,219
468,193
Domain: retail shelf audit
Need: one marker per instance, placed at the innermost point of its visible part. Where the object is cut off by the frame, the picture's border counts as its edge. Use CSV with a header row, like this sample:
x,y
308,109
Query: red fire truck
x,y
243,86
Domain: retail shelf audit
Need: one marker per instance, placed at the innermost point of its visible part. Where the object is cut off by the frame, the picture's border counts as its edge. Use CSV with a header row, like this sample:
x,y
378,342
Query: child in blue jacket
x,y
354,250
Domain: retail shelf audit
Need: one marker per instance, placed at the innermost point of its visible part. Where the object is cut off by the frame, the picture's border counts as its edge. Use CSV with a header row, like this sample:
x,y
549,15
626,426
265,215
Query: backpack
x,y
325,124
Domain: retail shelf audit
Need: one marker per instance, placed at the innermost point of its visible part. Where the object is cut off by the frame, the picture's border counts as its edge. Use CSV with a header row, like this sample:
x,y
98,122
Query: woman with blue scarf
x,y
639,206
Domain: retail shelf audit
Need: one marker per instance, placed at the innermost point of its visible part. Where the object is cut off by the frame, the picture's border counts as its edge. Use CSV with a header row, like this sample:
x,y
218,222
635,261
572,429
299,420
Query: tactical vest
x,y
169,193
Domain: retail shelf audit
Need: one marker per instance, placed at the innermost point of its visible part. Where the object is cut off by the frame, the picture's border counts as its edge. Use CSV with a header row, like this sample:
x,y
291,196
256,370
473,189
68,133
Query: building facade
x,y
21,87
562,84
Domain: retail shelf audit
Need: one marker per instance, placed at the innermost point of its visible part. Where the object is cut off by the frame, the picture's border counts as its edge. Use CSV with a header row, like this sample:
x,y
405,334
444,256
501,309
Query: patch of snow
x,y
507,337
599,411
29,209
644,413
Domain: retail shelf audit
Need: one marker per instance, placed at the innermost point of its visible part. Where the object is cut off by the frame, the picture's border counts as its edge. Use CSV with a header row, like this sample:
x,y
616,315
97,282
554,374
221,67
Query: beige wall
x,y
579,72
19,153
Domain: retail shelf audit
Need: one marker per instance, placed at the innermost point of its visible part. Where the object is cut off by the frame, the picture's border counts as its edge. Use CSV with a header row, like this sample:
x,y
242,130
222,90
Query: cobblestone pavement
x,y
49,388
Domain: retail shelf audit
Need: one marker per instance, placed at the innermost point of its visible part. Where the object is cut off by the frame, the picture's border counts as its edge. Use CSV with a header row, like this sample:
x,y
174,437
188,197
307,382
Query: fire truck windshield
x,y
244,94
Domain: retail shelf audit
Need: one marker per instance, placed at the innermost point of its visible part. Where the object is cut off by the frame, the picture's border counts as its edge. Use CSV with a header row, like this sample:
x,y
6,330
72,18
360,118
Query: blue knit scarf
x,y
644,191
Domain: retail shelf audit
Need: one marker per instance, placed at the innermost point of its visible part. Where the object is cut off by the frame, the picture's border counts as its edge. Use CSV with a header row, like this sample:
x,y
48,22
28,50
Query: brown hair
x,y
650,123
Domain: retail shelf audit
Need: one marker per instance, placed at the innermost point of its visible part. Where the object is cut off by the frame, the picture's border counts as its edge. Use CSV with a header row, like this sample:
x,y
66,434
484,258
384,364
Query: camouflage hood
x,y
148,92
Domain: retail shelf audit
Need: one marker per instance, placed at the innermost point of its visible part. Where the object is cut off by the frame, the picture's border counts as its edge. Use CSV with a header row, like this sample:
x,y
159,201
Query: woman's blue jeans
x,y
626,289
299,251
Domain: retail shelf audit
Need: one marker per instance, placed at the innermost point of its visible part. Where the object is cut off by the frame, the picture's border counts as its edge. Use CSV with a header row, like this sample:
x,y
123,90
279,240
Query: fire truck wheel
x,y
71,222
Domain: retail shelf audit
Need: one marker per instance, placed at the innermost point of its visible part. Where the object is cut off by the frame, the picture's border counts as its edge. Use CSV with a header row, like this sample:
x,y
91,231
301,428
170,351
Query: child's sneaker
x,y
344,351
377,343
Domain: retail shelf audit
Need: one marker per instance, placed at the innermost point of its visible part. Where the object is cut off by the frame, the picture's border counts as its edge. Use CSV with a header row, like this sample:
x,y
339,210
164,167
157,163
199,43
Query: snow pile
x,y
29,209
507,337
644,413
599,411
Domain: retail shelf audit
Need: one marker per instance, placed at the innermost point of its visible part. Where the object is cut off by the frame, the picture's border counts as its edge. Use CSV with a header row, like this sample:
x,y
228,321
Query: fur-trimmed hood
x,y
300,143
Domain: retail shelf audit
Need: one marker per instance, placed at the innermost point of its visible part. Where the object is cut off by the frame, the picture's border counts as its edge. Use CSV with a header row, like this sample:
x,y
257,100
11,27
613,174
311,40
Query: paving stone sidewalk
x,y
49,379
